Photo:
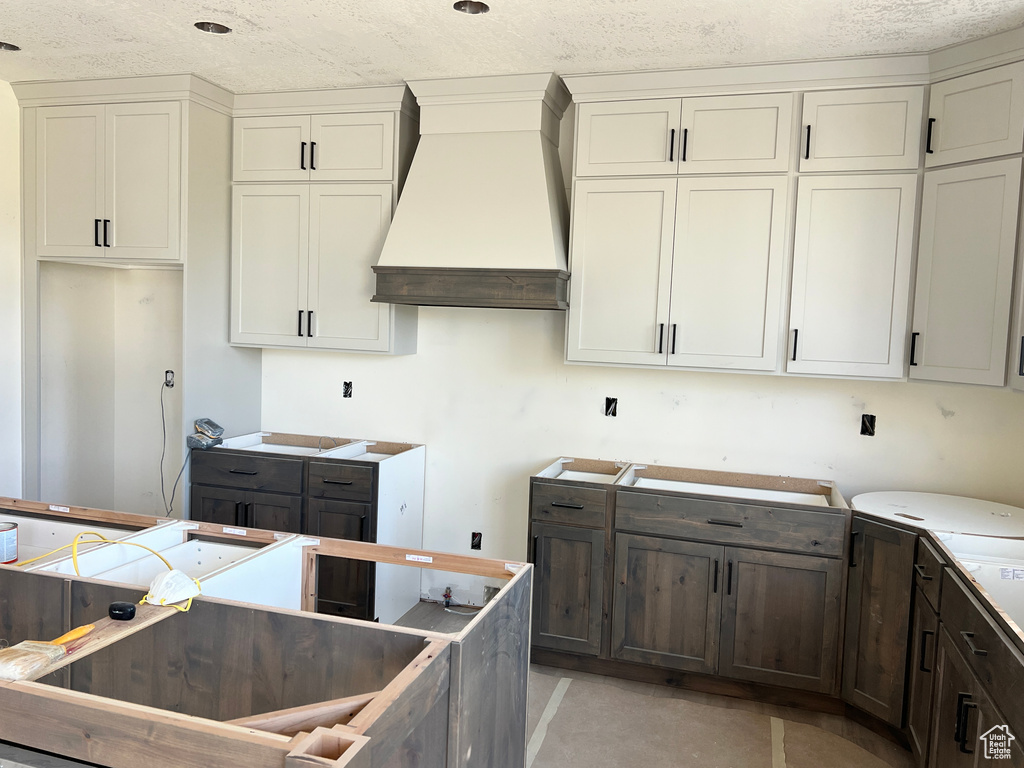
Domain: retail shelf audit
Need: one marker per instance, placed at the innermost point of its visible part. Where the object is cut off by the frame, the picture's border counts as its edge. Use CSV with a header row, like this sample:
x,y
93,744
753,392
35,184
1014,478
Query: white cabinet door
x,y
727,272
851,275
627,138
269,264
868,129
352,147
143,180
69,181
976,116
620,270
271,148
965,272
347,227
736,134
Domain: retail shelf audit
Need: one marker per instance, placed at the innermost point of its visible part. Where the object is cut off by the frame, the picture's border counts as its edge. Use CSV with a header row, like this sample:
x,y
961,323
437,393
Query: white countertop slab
x,y
939,512
736,492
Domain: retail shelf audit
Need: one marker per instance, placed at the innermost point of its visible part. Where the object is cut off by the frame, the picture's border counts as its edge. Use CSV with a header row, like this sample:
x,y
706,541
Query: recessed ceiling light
x,y
212,27
471,6
8,47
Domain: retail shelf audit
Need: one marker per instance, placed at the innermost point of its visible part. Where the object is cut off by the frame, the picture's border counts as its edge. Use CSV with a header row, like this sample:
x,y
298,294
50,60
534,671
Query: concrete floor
x,y
576,719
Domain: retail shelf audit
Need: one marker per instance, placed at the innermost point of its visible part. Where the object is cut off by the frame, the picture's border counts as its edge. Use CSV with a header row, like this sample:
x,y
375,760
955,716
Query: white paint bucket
x,y
8,543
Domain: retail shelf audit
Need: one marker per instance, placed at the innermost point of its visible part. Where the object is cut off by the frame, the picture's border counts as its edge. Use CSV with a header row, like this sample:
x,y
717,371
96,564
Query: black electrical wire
x,y
168,508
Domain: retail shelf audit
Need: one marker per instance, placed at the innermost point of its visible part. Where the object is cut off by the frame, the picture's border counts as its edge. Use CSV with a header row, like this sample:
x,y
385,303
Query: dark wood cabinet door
x,y
878,602
344,587
568,591
924,641
275,512
957,695
223,506
780,620
667,604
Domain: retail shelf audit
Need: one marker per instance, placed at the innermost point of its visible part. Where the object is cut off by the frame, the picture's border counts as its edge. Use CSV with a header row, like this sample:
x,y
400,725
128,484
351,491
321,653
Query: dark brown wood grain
x,y
555,502
780,621
1001,668
954,684
274,511
344,586
490,670
567,605
33,607
928,567
879,593
727,522
455,287
234,469
222,506
666,609
340,480
924,641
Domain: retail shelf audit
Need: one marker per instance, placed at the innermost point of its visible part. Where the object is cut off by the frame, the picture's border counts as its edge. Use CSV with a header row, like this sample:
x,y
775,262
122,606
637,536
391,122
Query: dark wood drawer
x,y
725,522
254,473
998,665
335,480
928,566
571,504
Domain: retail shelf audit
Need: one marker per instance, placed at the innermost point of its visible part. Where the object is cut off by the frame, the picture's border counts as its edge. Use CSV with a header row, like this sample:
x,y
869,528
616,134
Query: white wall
x,y
10,295
490,396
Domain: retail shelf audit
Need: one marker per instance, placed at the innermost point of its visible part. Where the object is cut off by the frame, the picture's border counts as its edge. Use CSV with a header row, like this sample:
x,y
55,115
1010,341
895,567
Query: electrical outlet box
x,y
477,540
611,406
867,424
346,389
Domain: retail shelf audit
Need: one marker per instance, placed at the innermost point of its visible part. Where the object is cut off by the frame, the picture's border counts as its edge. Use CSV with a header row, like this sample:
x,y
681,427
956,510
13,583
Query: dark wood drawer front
x,y
329,480
998,665
569,504
728,523
928,567
254,473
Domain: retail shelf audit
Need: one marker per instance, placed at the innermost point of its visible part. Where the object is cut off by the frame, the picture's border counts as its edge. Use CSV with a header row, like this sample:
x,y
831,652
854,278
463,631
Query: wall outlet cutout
x,y
611,406
867,424
168,378
346,389
476,540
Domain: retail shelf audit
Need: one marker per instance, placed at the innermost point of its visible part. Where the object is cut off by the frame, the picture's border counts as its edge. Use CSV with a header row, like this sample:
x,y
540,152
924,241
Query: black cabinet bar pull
x,y
309,323
960,699
913,347
249,521
661,338
1020,362
312,155
96,233
673,338
327,481
302,157
928,140
969,639
106,233
715,588
671,145
728,582
686,136
534,560
807,149
796,334
242,472
852,541
920,572
966,727
300,322
728,523
566,506
924,638
238,514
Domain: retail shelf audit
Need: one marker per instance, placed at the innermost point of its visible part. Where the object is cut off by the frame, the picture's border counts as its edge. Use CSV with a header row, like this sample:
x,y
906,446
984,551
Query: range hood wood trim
x,y
461,287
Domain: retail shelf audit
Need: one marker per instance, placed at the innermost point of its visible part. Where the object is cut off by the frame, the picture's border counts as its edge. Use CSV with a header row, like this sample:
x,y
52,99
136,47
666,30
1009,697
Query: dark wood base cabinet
x,y
924,636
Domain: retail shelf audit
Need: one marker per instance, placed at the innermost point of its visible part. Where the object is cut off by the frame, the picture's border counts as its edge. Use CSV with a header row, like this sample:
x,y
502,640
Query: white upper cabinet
x,y
341,147
976,116
621,270
108,181
1016,364
862,130
851,275
627,138
727,272
965,273
718,134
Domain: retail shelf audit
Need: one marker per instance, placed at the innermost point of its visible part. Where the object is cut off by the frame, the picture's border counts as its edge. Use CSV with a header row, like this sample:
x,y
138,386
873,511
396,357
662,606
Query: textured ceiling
x,y
282,44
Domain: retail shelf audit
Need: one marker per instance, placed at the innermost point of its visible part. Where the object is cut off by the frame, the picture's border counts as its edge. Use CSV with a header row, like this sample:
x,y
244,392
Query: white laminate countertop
x,y
938,512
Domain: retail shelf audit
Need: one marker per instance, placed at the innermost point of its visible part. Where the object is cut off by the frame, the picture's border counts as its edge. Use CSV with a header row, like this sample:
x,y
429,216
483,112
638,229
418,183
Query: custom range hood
x,y
482,220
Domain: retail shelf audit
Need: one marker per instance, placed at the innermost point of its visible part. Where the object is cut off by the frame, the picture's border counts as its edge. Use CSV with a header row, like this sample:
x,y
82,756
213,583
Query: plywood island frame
x,y
236,683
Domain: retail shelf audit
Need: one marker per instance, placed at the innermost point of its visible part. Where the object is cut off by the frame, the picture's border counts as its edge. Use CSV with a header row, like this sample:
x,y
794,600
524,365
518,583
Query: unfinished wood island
x,y
249,676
